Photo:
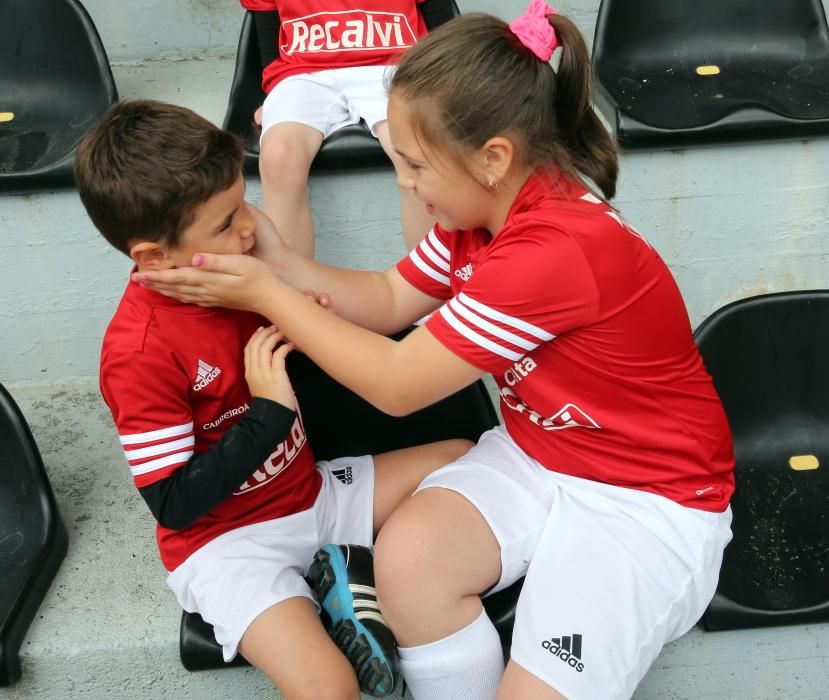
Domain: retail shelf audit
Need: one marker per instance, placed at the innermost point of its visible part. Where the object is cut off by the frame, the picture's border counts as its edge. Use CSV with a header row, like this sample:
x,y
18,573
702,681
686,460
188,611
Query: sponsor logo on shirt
x,y
519,370
227,414
349,30
566,648
205,374
569,416
278,462
464,272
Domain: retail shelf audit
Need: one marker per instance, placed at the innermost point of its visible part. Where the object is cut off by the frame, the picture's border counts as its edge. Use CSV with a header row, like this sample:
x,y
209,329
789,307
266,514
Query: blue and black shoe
x,y
342,579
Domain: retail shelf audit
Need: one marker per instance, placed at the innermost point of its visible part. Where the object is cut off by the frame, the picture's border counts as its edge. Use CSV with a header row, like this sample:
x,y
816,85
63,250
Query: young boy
x,y
324,64
212,434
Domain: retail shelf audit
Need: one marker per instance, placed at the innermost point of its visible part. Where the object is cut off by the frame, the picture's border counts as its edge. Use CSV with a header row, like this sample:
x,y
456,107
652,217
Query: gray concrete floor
x,y
108,627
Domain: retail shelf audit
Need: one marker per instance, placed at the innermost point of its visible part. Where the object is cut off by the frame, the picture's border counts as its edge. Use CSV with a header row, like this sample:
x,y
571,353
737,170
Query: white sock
x,y
466,665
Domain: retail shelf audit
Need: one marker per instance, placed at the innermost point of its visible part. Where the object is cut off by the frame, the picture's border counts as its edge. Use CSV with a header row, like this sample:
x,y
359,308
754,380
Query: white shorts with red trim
x,y
612,574
242,573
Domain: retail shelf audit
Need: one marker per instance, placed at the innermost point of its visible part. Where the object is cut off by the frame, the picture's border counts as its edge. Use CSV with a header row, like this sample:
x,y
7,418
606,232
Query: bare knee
x,y
406,554
283,161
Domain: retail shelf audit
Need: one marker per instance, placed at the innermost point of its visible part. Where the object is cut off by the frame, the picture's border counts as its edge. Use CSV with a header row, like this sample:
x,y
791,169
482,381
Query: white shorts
x,y
329,100
236,577
612,574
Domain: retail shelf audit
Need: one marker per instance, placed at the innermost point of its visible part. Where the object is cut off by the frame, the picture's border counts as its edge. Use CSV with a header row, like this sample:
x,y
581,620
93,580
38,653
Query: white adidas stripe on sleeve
x,y
426,269
477,338
429,252
161,448
153,435
162,463
491,328
504,319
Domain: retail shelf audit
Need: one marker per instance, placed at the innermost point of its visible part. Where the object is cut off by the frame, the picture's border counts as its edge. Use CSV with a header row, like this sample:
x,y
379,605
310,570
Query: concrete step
x,y
108,627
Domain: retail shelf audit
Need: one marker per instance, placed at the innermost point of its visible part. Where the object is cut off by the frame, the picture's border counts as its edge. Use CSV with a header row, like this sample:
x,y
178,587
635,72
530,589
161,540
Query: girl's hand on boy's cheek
x,y
268,243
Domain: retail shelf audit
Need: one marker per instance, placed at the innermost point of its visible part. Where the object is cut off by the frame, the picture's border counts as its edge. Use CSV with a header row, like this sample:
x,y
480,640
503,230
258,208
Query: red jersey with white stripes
x,y
587,336
319,35
173,377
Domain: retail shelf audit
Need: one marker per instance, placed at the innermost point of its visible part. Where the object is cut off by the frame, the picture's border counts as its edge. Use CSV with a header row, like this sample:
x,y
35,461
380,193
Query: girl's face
x,y
449,192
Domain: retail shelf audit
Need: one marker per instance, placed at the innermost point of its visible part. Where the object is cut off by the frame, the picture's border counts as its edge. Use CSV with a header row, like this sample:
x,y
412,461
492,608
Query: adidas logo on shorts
x,y
344,475
568,649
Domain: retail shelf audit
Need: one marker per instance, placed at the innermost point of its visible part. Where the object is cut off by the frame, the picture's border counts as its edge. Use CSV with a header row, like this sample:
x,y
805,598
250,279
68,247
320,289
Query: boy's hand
x,y
265,367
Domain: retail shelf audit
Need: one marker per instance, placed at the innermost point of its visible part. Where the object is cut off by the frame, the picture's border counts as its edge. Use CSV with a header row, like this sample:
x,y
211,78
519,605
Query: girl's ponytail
x,y
589,145
474,77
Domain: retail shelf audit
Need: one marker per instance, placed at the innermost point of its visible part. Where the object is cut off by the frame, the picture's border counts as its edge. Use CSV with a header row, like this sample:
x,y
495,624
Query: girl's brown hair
x,y
472,79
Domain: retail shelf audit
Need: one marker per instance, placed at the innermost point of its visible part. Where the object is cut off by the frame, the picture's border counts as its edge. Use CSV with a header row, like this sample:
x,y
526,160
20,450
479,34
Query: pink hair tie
x,y
534,30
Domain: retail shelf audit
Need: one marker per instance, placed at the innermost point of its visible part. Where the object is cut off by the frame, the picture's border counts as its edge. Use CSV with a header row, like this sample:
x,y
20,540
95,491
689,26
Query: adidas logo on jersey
x,y
325,32
344,475
204,375
567,648
464,272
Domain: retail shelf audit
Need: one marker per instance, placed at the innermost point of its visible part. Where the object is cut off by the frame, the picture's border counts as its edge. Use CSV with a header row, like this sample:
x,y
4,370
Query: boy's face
x,y
223,225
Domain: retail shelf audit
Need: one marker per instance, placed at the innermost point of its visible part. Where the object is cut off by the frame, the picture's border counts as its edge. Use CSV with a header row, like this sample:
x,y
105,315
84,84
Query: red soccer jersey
x,y
587,336
173,377
319,35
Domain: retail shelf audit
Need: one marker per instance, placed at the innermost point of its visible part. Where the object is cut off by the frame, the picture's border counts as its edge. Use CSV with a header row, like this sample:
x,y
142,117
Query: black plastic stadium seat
x,y
340,423
768,357
677,72
349,148
55,84
32,536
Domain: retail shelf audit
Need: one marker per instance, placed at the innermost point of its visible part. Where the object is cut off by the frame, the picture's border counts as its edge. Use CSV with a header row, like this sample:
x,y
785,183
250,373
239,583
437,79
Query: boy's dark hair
x,y
472,78
146,168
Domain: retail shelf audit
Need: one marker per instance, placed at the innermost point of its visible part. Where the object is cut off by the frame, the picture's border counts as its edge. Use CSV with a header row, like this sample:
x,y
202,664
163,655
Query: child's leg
x,y
288,643
341,575
416,221
398,473
433,558
286,152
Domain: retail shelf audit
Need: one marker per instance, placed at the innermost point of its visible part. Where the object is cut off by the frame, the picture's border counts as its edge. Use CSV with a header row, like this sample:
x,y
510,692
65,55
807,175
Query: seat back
x,y
339,423
767,356
713,68
32,537
55,84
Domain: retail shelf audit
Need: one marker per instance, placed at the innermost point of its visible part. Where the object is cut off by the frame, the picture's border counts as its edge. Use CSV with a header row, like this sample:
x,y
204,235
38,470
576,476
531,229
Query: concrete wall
x,y
731,221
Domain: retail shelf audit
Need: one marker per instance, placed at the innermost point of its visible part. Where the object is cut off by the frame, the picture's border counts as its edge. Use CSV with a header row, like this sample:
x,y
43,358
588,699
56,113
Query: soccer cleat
x,y
342,579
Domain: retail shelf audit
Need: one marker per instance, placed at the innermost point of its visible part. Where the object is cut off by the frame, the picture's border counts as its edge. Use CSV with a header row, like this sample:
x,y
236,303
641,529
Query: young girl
x,y
324,64
608,484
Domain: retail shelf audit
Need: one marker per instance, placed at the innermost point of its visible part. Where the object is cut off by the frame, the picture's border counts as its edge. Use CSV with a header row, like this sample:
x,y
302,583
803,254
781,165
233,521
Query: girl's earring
x,y
492,184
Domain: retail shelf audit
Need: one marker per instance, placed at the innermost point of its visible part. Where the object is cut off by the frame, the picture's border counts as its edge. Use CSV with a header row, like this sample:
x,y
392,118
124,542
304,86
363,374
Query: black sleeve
x,y
209,478
436,12
267,35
